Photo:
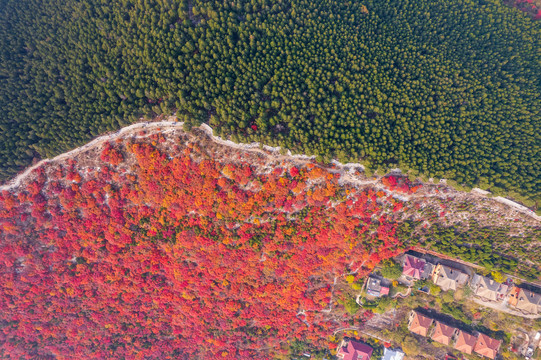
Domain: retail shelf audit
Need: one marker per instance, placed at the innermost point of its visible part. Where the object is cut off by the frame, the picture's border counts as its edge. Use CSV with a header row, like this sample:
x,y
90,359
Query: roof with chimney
x,y
487,346
419,324
413,267
449,278
443,333
465,342
428,270
375,288
487,288
528,301
355,350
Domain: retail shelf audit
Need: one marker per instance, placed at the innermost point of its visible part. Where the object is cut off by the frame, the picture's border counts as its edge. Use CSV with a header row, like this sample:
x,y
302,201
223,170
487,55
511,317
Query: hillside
x,y
158,243
446,89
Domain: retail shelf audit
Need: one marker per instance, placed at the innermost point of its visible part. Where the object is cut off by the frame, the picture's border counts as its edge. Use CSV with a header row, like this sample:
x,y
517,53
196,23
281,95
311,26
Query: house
x,y
465,342
443,334
375,288
448,278
416,269
488,289
529,302
389,354
525,300
354,350
487,346
419,324
413,267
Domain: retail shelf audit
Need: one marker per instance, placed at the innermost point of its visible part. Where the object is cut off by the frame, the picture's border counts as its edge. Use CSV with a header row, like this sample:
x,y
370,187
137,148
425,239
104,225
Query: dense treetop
x,y
173,255
166,245
444,88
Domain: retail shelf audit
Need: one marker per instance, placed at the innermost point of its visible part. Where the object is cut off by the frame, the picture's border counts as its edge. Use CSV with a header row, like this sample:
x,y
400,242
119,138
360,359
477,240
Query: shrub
x,y
434,289
498,276
390,269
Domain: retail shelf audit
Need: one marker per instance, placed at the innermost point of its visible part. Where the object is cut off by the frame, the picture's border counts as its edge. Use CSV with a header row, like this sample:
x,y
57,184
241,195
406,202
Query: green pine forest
x,y
441,88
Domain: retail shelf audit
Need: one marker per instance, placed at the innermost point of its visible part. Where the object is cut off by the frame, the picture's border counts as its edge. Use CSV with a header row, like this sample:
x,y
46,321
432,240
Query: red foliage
x,y
294,171
528,6
400,184
177,258
111,155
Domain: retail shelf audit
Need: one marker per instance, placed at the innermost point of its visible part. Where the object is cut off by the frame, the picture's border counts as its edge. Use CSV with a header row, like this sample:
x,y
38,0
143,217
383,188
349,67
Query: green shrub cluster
x,y
492,248
349,304
390,269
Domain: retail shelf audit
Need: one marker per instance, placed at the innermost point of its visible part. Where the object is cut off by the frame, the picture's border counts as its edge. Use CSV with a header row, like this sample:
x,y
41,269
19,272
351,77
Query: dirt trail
x,y
255,147
347,171
16,182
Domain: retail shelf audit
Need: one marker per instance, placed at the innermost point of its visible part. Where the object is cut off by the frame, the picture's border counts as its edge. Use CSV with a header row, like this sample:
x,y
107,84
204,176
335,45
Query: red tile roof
x,y
413,267
443,333
355,351
420,324
487,346
465,342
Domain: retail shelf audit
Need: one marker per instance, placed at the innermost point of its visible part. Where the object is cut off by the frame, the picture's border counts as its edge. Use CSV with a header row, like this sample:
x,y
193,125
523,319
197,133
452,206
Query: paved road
x,y
502,306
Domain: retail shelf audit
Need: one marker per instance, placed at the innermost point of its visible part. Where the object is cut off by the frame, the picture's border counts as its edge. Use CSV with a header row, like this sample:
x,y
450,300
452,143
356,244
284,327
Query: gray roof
x,y
427,271
374,286
454,274
450,278
529,301
487,288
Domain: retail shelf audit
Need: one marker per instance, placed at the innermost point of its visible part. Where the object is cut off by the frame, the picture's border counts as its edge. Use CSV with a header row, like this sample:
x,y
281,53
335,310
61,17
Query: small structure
x,y
487,346
525,300
389,354
448,278
419,324
354,350
443,334
488,289
465,342
375,288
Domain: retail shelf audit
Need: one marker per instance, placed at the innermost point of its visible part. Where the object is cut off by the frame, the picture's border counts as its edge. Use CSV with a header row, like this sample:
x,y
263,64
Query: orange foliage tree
x,y
177,258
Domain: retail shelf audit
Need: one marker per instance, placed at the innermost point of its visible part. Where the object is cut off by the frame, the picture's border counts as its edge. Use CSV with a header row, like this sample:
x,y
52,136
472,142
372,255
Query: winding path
x,y
171,124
